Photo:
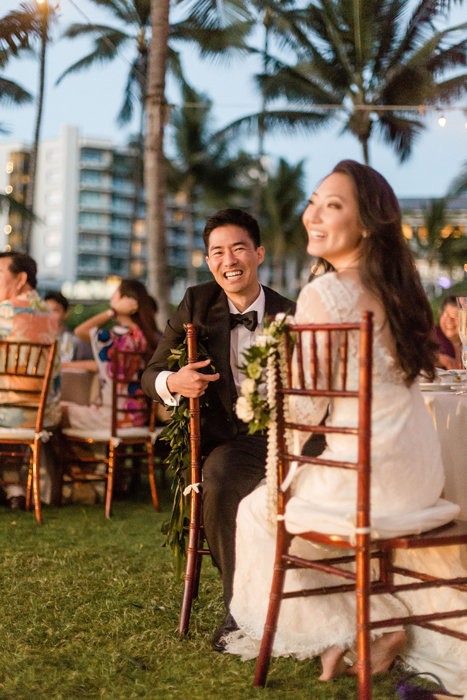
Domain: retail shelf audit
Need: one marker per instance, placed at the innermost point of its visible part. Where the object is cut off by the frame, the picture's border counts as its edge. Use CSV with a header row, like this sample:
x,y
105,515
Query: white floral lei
x,y
257,410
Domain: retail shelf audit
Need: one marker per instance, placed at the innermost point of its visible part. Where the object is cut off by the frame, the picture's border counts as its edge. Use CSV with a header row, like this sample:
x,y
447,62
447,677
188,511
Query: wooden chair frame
x,y
196,540
116,441
28,361
364,547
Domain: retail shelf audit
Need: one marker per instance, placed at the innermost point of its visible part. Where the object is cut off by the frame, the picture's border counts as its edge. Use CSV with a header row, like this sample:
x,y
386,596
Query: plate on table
x,y
433,386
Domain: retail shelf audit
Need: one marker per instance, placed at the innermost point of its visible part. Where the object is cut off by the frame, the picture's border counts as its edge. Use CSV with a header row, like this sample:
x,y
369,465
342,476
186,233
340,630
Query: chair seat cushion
x,y
105,435
17,433
303,516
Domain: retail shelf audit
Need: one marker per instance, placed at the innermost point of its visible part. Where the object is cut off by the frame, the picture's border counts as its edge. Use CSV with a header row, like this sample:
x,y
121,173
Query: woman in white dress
x,y
353,223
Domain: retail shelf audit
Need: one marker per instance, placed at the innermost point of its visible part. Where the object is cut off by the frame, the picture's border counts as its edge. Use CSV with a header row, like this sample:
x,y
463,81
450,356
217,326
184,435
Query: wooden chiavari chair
x,y
125,447
361,543
25,375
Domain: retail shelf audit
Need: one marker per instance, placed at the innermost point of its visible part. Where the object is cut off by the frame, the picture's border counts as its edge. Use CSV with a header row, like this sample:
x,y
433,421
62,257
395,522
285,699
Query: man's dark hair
x,y
232,217
21,262
59,298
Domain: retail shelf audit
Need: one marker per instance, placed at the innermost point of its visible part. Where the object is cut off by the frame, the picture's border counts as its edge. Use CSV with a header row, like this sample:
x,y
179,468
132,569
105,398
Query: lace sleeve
x,y
315,305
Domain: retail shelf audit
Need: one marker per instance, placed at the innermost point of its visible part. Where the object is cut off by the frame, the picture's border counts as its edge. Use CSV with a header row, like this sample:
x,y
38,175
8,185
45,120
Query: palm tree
x,y
282,229
361,58
459,184
201,170
438,241
12,39
135,26
35,22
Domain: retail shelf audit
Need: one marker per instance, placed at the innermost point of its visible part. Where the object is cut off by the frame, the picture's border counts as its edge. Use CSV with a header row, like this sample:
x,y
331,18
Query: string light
x,y
442,121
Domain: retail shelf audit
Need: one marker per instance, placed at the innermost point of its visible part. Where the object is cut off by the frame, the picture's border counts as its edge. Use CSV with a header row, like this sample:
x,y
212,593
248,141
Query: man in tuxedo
x,y
226,313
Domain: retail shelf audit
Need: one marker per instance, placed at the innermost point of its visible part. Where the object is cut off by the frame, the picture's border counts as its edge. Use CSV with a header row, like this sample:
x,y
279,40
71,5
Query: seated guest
x,y
23,316
134,329
447,335
71,347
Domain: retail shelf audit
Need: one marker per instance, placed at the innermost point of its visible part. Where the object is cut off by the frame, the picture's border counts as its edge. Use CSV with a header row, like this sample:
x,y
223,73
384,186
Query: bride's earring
x,y
365,234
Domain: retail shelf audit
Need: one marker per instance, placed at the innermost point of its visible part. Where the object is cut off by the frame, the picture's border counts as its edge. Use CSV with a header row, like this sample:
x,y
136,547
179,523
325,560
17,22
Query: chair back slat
x,y
32,365
195,430
128,398
327,377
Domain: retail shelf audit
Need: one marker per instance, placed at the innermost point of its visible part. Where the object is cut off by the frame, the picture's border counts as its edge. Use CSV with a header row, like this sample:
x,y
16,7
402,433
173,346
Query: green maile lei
x,y
255,406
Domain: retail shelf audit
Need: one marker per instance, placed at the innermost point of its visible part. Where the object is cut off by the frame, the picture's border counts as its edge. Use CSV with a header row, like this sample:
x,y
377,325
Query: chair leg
x,y
110,480
193,564
152,478
264,657
362,592
197,571
36,451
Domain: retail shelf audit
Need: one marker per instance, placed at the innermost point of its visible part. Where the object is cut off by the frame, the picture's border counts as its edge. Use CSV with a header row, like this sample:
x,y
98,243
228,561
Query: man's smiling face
x,y
233,260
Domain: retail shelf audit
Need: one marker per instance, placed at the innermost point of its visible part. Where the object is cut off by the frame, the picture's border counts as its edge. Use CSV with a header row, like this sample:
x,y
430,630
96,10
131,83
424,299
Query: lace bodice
x,y
341,298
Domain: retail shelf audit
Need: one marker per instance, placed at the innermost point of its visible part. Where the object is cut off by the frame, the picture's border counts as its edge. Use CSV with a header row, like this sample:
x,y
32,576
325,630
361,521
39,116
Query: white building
x,y
90,226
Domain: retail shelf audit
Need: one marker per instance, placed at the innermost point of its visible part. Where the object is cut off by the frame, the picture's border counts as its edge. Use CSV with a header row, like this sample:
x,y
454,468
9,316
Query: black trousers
x,y
230,472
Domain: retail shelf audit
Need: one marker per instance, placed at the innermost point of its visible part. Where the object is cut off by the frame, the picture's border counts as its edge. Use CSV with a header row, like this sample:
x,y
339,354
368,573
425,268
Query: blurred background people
x,y
23,316
447,335
132,314
71,347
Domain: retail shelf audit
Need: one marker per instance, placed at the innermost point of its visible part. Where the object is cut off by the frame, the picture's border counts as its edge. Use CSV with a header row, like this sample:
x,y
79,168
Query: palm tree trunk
x,y
31,186
138,185
366,155
154,172
189,226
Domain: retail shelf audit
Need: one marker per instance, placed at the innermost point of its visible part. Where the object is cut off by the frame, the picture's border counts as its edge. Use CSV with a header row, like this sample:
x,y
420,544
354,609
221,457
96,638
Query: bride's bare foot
x,y
383,651
332,660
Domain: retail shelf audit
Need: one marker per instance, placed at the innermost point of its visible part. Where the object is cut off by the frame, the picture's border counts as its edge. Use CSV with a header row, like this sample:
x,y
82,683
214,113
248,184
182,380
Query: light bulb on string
x,y
442,121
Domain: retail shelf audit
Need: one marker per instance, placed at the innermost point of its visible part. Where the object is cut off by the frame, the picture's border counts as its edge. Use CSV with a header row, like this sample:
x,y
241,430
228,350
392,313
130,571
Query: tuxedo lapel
x,y
274,303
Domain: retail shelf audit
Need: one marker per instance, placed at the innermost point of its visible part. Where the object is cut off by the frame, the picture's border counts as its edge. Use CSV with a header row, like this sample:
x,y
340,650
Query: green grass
x,y
90,610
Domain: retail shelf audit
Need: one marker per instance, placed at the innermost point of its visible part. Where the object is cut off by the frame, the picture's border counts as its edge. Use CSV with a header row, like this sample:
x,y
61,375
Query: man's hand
x,y
189,382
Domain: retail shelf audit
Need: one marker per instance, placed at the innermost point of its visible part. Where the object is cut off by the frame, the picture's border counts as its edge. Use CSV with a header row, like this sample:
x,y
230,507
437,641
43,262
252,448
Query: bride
x,y
353,223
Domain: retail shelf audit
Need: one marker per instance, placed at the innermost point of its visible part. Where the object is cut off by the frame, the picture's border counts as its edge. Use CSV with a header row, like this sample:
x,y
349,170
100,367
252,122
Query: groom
x,y
226,313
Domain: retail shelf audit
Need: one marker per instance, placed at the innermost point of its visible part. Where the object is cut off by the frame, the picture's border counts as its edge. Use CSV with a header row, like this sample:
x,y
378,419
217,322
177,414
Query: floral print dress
x,y
104,345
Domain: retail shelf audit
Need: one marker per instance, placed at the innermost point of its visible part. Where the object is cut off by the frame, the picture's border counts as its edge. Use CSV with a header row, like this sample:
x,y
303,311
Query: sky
x,y
91,100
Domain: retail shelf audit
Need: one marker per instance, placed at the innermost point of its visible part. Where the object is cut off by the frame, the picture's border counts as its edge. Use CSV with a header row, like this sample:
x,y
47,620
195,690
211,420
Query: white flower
x,y
280,317
243,409
248,386
254,370
262,340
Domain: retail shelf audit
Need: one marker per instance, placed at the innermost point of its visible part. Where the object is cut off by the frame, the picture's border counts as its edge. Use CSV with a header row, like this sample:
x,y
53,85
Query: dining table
x,y
448,409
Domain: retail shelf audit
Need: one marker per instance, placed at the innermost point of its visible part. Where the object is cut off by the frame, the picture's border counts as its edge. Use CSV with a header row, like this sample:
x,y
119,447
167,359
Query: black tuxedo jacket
x,y
207,308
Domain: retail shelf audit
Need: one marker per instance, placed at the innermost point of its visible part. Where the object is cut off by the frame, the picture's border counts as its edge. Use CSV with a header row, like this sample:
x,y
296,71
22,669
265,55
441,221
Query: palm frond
x,y
287,121
459,184
106,48
11,92
399,131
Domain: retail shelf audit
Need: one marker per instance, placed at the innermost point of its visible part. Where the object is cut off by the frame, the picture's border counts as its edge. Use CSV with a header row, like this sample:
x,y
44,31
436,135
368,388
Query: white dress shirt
x,y
240,339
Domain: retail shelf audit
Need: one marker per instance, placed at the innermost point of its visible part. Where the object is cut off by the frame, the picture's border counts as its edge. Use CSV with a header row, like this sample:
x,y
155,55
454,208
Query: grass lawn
x,y
90,610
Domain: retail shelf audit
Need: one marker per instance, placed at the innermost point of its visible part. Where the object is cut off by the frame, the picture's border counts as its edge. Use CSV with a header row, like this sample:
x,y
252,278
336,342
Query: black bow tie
x,y
249,320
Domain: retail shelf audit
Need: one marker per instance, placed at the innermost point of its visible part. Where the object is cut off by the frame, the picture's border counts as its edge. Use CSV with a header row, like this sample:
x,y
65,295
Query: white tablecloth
x,y
449,413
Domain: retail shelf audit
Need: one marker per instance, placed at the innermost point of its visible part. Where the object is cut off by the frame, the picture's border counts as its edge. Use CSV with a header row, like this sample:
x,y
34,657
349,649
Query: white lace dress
x,y
407,475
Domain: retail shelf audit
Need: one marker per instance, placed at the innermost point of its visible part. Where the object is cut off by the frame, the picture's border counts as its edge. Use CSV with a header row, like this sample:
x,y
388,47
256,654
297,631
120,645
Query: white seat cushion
x,y
105,435
17,433
303,516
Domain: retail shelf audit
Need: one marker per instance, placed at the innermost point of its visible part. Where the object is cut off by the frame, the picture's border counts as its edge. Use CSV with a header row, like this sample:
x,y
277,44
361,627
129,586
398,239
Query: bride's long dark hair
x,y
387,269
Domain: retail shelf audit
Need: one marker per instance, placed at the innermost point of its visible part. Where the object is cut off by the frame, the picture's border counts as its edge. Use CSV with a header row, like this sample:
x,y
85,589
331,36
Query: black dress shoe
x,y
218,638
17,503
